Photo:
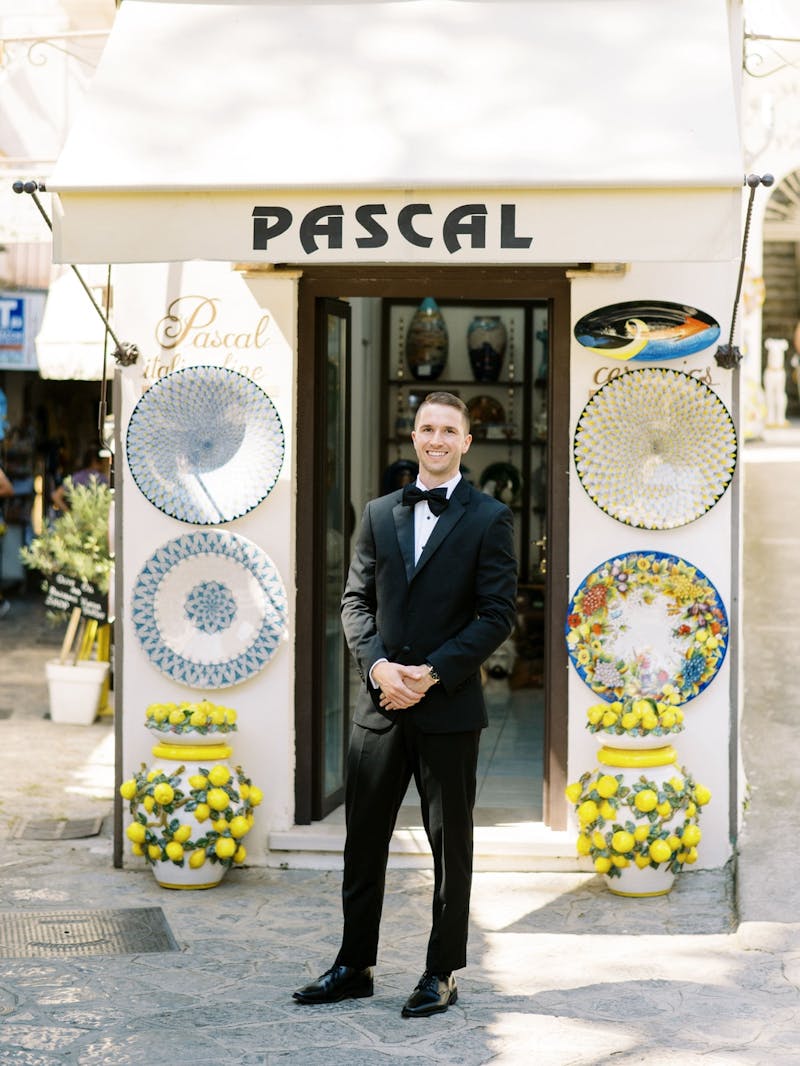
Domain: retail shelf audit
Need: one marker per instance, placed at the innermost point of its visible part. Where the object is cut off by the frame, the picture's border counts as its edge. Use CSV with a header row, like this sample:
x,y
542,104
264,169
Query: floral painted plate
x,y
209,609
655,448
646,330
205,445
647,624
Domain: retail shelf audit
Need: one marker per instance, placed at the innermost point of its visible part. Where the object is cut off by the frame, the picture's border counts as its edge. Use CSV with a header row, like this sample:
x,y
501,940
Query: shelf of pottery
x,y
494,357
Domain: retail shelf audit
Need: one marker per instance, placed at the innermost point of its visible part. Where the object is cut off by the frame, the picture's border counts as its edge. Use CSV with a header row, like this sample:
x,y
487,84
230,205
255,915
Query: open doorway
x,y
363,398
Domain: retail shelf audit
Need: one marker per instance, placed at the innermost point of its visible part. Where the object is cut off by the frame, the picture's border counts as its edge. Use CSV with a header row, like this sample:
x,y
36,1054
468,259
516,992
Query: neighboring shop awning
x,y
576,131
69,344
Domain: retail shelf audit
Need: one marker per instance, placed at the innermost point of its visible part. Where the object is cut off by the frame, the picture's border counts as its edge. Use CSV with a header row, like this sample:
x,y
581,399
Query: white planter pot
x,y
75,691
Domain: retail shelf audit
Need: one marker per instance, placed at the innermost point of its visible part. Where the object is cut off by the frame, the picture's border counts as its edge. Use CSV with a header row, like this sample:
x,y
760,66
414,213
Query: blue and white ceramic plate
x,y
209,609
655,448
205,445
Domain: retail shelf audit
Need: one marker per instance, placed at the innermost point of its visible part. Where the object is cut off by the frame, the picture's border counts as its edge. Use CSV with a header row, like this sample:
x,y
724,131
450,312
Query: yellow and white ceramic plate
x,y
655,448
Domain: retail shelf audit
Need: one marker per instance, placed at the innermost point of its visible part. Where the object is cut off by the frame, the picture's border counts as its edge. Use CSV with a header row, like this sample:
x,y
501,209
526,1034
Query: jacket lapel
x,y
404,526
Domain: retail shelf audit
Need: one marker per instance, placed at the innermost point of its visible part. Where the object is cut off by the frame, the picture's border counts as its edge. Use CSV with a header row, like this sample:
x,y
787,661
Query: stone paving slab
x,y
561,974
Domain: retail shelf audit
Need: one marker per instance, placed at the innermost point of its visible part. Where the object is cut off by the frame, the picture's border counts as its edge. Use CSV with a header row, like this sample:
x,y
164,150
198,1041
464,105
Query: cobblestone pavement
x,y
561,972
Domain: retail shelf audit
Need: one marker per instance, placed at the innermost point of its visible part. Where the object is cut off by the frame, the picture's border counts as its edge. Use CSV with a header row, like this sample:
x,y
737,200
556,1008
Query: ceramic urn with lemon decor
x,y
638,813
192,809
638,817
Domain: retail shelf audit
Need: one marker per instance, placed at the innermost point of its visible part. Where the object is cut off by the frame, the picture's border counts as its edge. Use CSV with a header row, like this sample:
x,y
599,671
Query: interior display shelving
x,y
513,432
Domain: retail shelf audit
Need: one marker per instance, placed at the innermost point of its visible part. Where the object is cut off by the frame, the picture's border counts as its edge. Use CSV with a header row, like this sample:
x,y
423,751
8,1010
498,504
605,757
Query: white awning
x,y
70,342
201,112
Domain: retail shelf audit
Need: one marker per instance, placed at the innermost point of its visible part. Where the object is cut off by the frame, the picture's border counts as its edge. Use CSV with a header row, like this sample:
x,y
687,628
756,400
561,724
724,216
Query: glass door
x,y
333,554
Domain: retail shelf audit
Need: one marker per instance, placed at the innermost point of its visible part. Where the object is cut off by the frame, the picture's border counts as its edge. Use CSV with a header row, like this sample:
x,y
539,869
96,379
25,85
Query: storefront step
x,y
523,847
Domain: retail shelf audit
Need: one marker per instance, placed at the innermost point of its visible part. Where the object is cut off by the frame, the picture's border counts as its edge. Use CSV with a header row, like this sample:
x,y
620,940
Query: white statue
x,y
775,382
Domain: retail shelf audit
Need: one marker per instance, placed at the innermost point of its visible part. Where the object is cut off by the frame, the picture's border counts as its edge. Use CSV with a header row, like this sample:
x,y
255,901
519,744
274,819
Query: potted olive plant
x,y
72,555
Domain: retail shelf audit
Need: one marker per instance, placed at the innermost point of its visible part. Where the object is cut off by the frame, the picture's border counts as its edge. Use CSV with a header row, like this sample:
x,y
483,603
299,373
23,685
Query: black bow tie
x,y
437,498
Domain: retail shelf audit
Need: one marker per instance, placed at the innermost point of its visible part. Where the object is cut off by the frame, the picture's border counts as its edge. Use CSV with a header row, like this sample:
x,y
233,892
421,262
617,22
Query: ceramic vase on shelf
x,y
192,807
638,815
427,342
486,342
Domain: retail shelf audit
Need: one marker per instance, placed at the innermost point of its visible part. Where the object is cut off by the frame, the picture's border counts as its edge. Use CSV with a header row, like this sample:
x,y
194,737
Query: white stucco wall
x,y
706,543
264,743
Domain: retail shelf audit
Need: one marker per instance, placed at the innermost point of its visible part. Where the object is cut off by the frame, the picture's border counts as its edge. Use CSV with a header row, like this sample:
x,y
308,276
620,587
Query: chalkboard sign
x,y
64,593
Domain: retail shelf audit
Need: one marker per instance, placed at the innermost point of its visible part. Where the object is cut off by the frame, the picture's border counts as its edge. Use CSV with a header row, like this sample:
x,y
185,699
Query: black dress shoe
x,y
340,982
434,994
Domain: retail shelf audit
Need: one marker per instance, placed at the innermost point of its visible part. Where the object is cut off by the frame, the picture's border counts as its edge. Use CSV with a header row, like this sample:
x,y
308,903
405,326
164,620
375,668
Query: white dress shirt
x,y
425,519
424,522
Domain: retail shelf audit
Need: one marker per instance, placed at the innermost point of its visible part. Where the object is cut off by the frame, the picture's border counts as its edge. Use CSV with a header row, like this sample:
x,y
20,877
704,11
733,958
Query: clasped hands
x,y
401,686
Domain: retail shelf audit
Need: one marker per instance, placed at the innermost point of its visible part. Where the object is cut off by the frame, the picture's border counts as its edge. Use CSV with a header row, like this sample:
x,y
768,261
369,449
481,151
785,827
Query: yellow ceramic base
x,y
184,752
640,884
633,759
640,895
189,888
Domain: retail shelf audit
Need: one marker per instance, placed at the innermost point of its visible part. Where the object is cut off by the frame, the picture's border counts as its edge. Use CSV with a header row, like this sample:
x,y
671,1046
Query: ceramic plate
x,y
647,624
655,448
646,330
205,445
209,609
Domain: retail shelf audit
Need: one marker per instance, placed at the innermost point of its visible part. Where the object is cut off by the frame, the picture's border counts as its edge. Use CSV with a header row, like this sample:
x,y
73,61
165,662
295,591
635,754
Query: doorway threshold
x,y
506,840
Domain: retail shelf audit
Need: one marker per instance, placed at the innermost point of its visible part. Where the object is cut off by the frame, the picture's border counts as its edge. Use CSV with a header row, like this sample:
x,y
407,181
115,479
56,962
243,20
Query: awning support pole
x,y
125,354
102,410
728,355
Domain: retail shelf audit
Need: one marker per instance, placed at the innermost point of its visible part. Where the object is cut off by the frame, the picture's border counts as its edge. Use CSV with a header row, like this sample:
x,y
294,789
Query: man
x,y
93,471
429,596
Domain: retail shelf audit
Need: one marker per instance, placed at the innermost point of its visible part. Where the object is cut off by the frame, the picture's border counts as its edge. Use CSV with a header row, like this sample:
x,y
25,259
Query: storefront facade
x,y
771,293
307,285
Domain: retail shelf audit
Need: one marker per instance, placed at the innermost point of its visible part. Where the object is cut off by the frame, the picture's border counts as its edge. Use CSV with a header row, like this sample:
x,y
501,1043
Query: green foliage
x,y
76,543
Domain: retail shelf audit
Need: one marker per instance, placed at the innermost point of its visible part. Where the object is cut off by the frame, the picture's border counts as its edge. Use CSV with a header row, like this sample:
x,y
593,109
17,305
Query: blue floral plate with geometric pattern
x,y
209,609
205,445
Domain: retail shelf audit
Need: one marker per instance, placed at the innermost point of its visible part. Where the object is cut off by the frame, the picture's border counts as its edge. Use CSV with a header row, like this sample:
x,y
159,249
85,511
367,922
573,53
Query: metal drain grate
x,y
63,934
56,829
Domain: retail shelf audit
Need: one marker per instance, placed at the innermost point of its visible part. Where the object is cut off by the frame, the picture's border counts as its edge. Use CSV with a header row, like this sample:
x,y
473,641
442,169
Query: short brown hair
x,y
445,399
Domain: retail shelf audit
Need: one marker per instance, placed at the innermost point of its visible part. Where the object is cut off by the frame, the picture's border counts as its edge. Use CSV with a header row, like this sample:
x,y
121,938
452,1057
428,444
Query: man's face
x,y
440,439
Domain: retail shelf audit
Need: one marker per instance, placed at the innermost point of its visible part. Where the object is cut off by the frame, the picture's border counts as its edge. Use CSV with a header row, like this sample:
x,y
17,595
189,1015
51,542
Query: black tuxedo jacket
x,y
452,609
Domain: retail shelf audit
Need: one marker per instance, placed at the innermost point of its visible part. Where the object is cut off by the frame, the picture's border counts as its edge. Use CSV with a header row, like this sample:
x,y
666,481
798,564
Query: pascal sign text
x,y
368,226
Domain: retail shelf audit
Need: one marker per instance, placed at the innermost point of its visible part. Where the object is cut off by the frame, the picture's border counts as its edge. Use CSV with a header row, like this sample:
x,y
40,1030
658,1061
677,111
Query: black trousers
x,y
379,768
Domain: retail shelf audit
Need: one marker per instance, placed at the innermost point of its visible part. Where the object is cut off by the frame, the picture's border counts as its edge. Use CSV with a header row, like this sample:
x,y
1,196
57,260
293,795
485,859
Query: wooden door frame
x,y
322,802
549,284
